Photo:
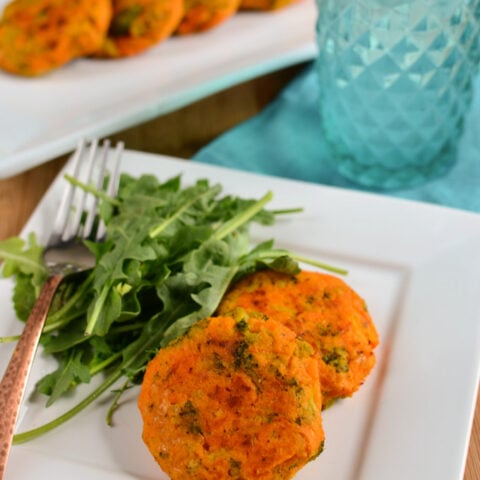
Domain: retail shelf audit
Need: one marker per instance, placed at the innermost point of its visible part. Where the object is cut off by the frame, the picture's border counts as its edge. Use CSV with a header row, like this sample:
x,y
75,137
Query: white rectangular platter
x,y
41,118
417,267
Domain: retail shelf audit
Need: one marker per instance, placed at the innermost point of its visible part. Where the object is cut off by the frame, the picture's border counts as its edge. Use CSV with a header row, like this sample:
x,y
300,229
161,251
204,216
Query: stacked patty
x,y
236,397
324,311
241,394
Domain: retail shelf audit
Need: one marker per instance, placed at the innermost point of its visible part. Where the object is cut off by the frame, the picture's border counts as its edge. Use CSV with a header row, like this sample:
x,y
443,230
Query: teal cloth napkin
x,y
285,140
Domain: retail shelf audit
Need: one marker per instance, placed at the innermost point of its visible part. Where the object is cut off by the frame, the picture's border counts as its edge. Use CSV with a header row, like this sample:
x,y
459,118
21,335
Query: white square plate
x,y
417,267
44,117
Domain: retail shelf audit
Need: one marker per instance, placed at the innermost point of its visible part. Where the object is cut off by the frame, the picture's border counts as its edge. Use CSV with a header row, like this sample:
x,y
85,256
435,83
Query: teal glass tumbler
x,y
395,82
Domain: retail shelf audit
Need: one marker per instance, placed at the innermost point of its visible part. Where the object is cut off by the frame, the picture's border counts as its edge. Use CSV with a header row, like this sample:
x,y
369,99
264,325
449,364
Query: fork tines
x,y
94,165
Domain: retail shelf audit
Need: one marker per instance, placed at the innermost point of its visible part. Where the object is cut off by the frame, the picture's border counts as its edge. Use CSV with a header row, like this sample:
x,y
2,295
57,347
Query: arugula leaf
x,y
71,370
24,296
23,260
23,257
210,269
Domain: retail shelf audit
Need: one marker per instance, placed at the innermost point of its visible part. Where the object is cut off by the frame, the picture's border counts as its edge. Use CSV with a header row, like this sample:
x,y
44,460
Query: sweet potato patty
x,y
233,398
324,311
265,4
37,36
201,15
140,24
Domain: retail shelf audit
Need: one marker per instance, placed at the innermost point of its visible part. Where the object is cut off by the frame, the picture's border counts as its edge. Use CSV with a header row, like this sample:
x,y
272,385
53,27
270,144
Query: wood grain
x,y
181,134
19,195
472,470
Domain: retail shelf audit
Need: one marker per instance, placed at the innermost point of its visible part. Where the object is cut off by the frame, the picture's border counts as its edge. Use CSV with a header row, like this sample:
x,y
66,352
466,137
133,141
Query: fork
x,y
63,254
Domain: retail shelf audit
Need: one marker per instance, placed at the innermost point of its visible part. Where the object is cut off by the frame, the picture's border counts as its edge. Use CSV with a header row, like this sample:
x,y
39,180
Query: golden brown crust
x,y
323,310
37,36
201,15
234,398
140,24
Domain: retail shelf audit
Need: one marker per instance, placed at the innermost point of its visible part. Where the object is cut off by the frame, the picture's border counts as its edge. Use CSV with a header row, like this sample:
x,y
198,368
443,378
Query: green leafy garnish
x,y
169,256
23,260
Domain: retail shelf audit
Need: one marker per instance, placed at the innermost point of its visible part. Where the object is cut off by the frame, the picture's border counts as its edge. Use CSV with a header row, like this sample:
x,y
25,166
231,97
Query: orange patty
x,y
138,25
265,4
37,36
323,310
234,398
201,15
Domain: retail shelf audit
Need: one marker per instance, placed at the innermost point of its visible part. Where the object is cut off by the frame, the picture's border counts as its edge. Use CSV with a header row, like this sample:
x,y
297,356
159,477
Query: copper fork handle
x,y
12,386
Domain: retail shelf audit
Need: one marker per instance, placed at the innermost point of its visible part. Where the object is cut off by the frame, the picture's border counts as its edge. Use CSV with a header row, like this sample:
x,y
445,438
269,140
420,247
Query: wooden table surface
x,y
180,134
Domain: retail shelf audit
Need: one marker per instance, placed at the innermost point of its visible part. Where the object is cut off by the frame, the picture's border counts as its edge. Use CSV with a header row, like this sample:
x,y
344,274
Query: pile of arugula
x,y
169,255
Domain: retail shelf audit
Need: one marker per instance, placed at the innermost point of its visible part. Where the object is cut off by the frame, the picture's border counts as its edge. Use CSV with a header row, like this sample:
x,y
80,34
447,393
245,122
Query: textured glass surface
x,y
395,83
